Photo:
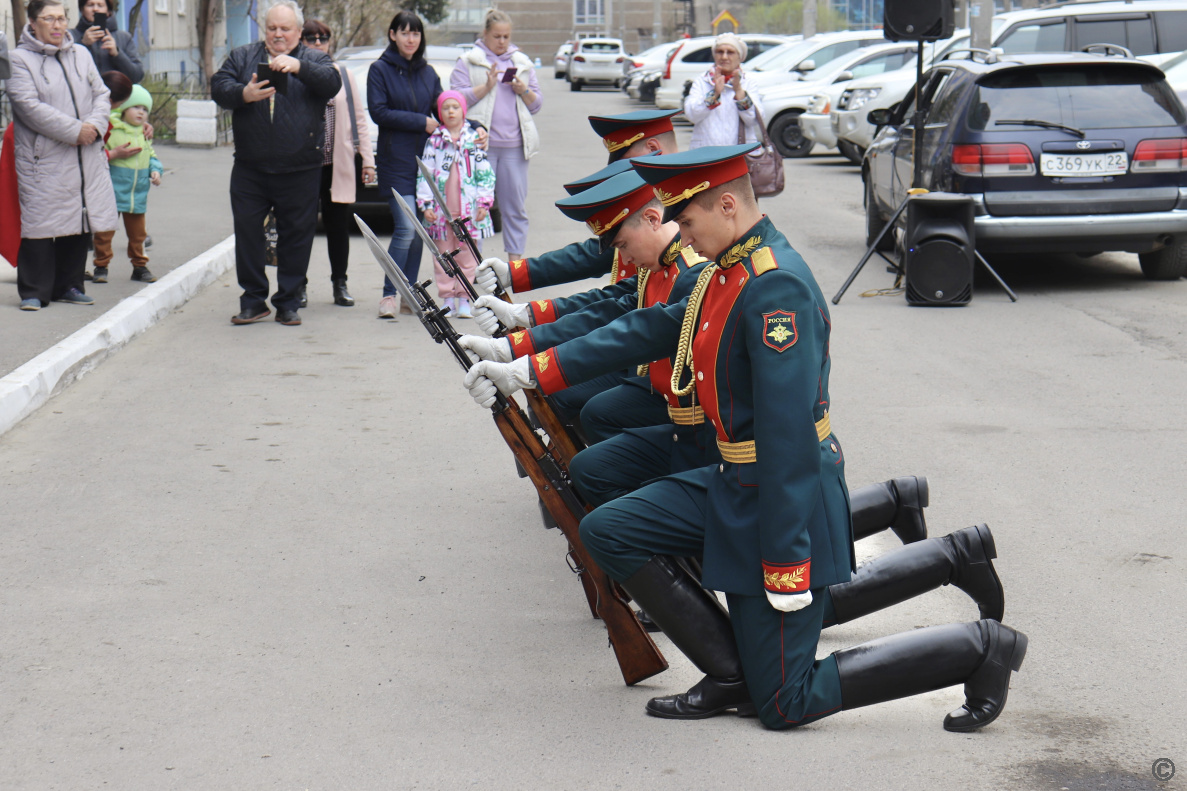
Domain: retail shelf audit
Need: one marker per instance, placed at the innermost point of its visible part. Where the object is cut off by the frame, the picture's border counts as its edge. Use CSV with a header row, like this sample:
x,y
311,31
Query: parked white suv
x,y
595,61
783,105
1153,30
694,57
797,61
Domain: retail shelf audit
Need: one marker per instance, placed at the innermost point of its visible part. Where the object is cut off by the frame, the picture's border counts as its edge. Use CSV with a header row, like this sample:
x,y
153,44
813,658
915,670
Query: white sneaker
x,y
463,308
450,307
388,307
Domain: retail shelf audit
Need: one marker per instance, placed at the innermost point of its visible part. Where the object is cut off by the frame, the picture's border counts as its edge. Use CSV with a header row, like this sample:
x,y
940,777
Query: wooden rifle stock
x,y
638,656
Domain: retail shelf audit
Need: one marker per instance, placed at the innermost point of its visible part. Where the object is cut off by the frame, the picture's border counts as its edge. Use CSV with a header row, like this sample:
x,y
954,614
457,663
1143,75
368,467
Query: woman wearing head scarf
x,y
500,87
721,100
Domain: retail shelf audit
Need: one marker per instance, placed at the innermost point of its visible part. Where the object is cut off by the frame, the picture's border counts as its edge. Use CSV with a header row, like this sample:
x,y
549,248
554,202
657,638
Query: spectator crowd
x,y
80,148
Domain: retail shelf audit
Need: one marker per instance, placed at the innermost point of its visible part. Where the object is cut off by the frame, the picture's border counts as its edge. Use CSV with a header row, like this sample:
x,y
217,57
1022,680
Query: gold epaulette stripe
x,y
686,415
744,453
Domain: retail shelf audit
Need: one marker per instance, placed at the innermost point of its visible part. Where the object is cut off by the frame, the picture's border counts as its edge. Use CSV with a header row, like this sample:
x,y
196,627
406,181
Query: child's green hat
x,y
140,98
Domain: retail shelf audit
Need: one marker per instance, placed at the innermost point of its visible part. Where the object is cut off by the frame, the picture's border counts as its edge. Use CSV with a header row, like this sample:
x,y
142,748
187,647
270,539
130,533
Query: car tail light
x,y
620,60
1160,155
672,57
827,107
579,58
636,64
993,159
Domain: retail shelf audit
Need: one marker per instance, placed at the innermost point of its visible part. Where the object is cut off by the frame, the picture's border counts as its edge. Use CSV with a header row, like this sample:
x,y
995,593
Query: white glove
x,y
787,602
485,377
496,349
492,272
489,311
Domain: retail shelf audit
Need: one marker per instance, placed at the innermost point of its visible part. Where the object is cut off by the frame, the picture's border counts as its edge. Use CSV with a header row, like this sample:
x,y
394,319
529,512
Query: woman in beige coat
x,y
60,108
339,179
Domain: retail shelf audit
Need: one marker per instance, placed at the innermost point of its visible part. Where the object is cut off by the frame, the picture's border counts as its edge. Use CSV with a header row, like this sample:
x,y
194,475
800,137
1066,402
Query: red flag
x,y
10,203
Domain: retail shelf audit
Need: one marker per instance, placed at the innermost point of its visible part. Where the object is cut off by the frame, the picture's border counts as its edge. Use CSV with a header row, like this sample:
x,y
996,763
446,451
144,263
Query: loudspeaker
x,y
917,20
940,249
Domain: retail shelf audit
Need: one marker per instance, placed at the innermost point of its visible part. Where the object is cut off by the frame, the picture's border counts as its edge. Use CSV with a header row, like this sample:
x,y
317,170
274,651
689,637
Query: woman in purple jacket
x,y
504,103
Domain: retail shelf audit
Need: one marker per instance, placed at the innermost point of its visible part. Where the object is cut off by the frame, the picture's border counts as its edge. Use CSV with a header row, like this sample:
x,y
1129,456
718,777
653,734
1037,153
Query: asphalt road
x,y
274,557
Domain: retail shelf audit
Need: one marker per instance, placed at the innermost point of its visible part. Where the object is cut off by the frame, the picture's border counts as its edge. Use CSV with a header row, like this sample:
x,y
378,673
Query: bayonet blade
x,y
437,196
389,267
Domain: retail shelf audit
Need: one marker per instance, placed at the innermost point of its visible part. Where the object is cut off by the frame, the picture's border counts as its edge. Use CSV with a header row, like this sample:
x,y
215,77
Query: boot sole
x,y
989,547
1017,654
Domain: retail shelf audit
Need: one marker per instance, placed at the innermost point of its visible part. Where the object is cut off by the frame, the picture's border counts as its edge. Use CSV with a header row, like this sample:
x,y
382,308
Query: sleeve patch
x,y
521,279
543,312
778,330
763,261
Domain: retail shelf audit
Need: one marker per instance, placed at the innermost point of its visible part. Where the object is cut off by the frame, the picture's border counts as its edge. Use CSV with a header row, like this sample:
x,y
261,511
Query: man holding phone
x,y
279,137
112,49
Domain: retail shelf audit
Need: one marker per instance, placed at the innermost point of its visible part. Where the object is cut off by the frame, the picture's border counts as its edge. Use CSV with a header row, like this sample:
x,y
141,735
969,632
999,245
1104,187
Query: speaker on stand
x,y
940,244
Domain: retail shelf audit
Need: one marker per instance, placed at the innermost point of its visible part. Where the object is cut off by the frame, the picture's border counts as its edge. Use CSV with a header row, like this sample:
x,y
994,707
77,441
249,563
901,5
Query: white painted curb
x,y
24,390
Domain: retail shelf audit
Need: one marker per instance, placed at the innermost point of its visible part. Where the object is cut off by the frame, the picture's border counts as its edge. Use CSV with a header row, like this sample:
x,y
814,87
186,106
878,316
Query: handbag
x,y
764,163
354,131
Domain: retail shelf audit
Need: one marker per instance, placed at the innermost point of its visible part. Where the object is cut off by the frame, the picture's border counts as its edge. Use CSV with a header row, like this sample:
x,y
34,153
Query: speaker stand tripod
x,y
917,177
873,248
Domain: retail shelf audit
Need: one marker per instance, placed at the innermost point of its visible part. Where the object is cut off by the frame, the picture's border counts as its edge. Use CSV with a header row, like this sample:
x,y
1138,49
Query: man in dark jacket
x,y
279,131
112,49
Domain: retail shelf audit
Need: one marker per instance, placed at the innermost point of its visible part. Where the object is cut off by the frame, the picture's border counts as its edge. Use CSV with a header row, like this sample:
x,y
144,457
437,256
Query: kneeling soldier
x,y
772,521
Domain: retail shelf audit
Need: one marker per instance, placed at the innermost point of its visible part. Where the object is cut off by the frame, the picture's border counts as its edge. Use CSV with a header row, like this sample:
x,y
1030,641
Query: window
x,y
702,55
1082,98
1172,31
755,48
1136,35
589,12
161,6
880,63
601,46
1035,38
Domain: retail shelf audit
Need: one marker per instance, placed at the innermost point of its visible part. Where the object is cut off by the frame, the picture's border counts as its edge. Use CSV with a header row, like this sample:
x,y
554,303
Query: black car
x,y
1082,152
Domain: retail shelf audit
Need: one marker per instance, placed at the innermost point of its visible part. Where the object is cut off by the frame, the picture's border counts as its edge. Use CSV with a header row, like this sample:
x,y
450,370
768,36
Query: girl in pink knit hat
x,y
466,179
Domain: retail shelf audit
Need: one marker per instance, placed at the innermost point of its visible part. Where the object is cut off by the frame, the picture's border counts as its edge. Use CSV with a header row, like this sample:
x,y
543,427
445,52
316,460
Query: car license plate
x,y
1110,164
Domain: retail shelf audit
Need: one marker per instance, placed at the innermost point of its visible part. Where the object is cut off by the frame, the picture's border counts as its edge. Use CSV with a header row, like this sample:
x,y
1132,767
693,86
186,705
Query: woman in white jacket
x,y
505,107
60,108
721,99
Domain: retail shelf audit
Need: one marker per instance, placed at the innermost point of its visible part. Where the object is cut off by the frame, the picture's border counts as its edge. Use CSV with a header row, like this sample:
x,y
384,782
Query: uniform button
x,y
721,468
833,445
721,280
675,438
700,376
704,326
665,275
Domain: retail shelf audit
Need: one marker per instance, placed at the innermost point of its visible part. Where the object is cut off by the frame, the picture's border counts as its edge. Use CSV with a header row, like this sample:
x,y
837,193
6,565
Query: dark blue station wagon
x,y
1078,152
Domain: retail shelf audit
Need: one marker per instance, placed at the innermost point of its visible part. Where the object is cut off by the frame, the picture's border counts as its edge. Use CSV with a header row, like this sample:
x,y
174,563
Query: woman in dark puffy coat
x,y
402,90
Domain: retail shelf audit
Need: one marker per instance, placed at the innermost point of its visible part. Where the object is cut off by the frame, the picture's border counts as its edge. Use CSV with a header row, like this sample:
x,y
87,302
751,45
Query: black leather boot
x,y
897,504
341,295
980,655
963,559
698,625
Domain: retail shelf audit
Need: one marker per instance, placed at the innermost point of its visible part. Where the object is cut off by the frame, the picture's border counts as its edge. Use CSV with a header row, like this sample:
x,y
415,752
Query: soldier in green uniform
x,y
771,521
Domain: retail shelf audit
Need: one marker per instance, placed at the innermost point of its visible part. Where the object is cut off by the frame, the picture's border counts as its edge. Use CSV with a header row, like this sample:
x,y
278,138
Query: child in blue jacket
x,y
131,178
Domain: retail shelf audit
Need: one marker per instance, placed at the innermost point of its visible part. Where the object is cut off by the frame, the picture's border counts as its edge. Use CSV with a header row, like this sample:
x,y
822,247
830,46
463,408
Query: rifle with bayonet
x,y
558,435
638,657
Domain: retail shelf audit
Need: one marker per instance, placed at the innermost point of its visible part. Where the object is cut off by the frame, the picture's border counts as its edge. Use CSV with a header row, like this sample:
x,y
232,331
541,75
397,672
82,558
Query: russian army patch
x,y
779,330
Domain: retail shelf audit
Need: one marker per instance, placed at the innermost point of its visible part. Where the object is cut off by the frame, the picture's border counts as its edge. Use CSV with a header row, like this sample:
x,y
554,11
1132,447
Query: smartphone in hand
x,y
509,75
100,21
276,79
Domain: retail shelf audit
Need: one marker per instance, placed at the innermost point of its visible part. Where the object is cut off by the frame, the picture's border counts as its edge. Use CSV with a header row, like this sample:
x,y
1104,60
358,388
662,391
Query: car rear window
x,y
600,46
1084,98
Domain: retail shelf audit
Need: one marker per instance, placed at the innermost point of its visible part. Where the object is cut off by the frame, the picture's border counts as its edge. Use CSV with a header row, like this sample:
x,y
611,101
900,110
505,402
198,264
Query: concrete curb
x,y
24,390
